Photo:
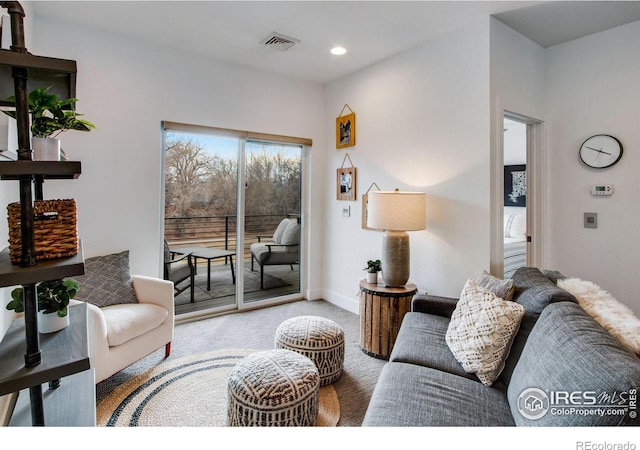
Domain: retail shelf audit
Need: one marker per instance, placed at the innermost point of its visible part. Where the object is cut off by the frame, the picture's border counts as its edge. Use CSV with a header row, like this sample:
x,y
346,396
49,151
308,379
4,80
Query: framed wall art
x,y
515,185
346,129
346,181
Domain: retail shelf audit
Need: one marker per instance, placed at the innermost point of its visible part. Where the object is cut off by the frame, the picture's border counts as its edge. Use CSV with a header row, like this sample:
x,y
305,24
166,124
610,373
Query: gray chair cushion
x,y
433,398
278,254
569,351
178,271
535,291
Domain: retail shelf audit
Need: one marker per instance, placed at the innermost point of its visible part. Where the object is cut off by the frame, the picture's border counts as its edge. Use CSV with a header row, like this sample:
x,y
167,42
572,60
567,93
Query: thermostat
x,y
602,189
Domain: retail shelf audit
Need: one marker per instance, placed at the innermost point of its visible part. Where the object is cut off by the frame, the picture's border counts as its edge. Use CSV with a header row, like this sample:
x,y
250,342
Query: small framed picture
x,y
515,185
346,183
346,131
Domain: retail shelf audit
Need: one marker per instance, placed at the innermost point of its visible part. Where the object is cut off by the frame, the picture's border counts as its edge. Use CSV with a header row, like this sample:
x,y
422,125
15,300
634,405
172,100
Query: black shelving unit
x,y
36,71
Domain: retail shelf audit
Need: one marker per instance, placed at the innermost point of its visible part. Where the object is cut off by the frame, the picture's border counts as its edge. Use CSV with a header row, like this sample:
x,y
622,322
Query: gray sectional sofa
x,y
563,369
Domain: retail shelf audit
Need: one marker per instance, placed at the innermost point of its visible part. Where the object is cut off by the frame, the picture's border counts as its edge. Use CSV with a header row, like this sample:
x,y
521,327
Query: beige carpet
x,y
188,392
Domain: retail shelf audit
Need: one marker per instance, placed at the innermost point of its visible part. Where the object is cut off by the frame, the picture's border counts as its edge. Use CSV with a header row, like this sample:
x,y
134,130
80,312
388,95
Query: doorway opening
x,y
521,196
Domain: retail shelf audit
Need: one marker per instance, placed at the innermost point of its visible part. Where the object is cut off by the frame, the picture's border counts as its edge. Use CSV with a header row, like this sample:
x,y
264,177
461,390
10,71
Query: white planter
x,y
50,323
45,149
372,278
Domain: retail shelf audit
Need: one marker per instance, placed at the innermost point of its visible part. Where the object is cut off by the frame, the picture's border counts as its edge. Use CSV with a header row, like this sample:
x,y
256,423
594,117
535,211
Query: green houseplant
x,y
50,116
53,302
372,269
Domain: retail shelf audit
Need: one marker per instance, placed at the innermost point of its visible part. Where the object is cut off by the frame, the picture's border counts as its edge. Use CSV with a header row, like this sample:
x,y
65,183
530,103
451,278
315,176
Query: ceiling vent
x,y
279,41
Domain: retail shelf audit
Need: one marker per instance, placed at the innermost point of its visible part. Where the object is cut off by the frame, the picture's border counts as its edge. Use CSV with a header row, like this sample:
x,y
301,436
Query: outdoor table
x,y
209,254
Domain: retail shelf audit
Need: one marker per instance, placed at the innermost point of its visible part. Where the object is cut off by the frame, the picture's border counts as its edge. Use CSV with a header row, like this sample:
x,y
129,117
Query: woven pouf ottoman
x,y
319,339
273,388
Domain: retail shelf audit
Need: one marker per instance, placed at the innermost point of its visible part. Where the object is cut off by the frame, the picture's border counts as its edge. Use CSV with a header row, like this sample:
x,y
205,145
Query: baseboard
x,y
350,304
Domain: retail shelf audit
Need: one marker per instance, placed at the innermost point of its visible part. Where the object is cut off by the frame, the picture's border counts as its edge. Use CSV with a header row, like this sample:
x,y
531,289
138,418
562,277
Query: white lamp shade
x,y
397,211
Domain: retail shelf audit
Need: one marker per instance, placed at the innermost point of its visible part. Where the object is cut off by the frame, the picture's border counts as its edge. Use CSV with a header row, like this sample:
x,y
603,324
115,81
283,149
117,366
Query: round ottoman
x,y
273,388
319,339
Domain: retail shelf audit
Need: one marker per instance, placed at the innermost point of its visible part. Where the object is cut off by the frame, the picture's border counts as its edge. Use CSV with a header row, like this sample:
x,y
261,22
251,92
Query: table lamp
x,y
396,213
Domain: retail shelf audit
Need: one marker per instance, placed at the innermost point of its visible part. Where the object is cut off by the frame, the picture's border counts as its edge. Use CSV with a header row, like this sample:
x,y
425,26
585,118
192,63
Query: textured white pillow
x,y
613,316
481,331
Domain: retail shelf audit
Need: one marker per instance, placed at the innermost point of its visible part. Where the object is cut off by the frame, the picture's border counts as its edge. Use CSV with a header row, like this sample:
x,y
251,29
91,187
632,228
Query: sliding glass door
x,y
217,182
272,219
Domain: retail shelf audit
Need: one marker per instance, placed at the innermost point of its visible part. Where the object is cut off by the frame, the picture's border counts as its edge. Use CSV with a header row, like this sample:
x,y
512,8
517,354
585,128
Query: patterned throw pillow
x,y
501,288
481,331
106,281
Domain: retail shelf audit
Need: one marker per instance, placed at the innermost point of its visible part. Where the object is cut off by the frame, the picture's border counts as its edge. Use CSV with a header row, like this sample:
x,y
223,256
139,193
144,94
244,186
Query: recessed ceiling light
x,y
338,51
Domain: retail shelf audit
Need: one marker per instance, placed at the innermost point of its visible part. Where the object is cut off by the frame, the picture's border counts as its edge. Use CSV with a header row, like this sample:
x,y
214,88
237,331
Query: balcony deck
x,y
279,281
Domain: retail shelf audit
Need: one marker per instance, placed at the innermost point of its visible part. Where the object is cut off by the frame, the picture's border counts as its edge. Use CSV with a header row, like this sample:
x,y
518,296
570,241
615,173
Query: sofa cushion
x,y
291,234
501,288
616,318
421,341
277,255
282,226
569,352
106,280
481,331
125,322
535,291
409,395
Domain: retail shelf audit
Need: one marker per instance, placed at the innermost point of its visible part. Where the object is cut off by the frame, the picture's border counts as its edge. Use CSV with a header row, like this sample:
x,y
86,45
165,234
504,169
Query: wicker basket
x,y
55,230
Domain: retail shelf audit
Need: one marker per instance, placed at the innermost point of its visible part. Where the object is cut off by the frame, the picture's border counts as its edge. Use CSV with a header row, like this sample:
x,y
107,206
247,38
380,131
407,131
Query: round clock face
x,y
601,151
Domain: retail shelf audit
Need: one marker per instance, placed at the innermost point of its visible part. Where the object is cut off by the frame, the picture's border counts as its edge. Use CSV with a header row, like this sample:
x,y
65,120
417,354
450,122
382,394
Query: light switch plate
x,y
346,211
590,220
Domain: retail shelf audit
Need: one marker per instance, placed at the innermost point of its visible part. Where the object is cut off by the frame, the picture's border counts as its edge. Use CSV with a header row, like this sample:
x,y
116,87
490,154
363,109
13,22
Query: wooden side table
x,y
381,312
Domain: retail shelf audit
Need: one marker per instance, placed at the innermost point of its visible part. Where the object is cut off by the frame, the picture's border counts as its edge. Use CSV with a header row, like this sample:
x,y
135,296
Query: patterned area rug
x,y
188,392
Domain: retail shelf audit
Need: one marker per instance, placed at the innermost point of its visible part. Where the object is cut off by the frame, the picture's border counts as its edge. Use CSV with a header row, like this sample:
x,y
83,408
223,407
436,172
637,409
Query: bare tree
x,y
186,174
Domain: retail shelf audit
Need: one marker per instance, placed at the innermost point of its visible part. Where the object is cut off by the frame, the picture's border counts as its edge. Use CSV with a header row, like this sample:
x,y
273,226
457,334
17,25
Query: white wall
x,y
593,88
517,86
422,122
127,88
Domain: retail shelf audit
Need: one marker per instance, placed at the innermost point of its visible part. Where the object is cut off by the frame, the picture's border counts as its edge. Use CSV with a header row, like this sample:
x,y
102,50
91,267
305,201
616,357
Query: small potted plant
x,y
49,118
373,267
53,302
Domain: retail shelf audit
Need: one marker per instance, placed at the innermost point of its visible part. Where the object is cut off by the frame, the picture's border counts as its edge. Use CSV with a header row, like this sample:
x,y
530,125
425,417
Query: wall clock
x,y
601,151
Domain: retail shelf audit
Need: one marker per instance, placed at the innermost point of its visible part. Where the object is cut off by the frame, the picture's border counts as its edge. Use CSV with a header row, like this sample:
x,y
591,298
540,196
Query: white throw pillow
x,y
481,331
515,226
291,235
618,319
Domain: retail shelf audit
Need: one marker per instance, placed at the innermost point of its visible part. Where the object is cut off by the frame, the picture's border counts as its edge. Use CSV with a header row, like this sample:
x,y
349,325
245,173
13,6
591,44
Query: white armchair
x,y
120,335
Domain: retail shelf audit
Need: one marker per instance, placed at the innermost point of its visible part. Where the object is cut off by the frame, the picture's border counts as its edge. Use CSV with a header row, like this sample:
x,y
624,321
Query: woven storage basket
x,y
55,230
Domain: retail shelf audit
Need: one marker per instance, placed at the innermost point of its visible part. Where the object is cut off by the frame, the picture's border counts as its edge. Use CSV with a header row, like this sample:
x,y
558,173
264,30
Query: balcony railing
x,y
219,231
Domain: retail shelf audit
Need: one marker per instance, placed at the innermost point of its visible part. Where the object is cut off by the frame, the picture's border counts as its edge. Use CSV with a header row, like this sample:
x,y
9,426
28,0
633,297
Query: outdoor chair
x,y
283,249
181,271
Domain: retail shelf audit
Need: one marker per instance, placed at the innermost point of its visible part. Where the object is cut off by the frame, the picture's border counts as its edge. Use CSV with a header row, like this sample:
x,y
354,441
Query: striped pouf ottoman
x,y
319,339
273,388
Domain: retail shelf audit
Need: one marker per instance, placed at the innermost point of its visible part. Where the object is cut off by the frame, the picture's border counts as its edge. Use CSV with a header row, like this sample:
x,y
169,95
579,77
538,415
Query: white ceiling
x,y
370,30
